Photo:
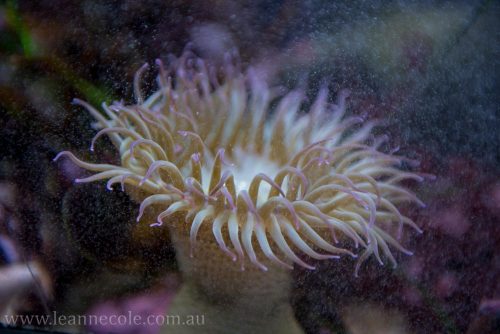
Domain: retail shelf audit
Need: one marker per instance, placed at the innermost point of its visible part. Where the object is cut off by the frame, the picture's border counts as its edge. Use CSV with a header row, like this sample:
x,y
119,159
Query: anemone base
x,y
229,299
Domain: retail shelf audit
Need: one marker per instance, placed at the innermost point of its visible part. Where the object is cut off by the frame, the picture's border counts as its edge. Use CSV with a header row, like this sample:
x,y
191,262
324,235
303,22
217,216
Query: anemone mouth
x,y
269,181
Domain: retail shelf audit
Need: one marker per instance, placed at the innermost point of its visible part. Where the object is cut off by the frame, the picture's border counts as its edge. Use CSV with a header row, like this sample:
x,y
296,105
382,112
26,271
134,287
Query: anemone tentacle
x,y
269,182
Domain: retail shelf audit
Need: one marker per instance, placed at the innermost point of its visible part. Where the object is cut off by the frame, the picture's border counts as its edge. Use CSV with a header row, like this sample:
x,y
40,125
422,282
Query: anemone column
x,y
231,300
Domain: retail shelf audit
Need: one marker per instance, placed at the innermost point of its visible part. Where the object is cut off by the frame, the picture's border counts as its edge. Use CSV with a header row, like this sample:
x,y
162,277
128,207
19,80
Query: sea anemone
x,y
240,174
